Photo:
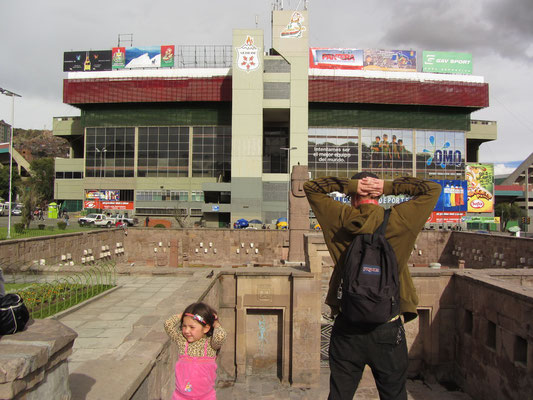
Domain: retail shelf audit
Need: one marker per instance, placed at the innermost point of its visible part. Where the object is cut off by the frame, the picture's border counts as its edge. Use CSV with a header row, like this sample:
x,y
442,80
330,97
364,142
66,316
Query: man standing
x,y
381,346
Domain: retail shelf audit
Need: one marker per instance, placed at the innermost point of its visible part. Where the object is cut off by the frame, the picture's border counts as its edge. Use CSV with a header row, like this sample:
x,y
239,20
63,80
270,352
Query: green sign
x,y
447,62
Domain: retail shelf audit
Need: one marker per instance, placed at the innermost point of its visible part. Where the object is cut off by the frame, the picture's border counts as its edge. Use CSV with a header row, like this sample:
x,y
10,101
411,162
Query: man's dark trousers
x,y
383,348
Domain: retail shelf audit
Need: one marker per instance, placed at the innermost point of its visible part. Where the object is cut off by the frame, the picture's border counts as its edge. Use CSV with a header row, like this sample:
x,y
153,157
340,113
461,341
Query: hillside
x,y
39,143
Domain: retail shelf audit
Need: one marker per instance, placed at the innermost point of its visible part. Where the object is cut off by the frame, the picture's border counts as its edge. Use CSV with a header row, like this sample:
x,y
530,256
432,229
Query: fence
x,y
45,296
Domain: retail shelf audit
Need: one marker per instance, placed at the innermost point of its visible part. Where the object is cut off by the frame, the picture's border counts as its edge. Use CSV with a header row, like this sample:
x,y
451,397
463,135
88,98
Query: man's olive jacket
x,y
341,222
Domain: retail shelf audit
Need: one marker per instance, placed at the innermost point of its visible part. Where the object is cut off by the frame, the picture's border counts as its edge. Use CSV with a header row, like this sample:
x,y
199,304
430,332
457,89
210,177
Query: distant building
x,y
5,132
214,137
518,187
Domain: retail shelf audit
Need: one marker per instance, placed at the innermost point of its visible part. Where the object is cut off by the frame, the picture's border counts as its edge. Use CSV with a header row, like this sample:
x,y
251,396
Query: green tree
x,y
42,179
507,212
4,183
30,200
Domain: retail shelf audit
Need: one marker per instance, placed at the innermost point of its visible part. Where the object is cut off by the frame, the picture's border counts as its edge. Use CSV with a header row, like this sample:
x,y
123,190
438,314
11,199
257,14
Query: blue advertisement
x,y
143,57
453,196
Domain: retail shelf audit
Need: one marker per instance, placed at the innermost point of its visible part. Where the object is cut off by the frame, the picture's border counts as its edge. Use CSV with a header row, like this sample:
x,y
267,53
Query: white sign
x,y
248,55
295,28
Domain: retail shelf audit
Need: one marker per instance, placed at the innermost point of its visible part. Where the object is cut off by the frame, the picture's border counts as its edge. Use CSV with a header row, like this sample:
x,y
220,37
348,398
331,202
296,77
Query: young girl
x,y
198,337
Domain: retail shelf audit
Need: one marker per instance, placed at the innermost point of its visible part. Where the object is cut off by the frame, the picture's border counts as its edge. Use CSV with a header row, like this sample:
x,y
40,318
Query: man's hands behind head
x,y
370,187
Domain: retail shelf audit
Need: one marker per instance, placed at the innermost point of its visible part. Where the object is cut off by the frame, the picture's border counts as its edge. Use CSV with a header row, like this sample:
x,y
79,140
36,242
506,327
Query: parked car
x,y
16,211
96,220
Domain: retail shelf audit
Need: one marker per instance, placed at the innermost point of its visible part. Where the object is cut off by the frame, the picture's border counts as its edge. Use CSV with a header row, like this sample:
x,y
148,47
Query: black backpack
x,y
370,288
13,314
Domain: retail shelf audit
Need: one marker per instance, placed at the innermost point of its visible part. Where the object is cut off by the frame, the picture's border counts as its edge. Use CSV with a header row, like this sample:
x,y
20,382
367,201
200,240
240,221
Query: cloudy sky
x,y
498,33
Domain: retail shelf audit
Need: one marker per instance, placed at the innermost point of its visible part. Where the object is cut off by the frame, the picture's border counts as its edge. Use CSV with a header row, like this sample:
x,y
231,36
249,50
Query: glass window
x,y
333,151
197,195
156,143
209,160
440,154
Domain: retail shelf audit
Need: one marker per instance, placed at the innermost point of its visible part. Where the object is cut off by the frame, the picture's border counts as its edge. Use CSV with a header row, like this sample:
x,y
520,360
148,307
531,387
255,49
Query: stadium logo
x,y
295,28
248,55
443,156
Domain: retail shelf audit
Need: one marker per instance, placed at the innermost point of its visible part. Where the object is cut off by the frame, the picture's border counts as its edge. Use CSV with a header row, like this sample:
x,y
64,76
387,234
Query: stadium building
x,y
213,131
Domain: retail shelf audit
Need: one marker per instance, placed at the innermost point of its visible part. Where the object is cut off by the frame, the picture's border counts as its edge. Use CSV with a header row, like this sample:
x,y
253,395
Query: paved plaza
x,y
107,325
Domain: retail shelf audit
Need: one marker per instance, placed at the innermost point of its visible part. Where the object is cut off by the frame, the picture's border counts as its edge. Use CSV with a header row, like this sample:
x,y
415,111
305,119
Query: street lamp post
x,y
288,150
12,95
101,151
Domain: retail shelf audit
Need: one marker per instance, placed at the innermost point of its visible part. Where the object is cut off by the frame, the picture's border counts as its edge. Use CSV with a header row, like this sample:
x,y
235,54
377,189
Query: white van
x,y
3,209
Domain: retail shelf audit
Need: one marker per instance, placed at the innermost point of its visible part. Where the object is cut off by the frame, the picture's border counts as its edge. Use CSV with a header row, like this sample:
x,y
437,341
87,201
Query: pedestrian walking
x,y
147,221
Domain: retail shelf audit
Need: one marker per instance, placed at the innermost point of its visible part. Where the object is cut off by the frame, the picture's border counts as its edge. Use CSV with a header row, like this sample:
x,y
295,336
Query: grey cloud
x,y
481,27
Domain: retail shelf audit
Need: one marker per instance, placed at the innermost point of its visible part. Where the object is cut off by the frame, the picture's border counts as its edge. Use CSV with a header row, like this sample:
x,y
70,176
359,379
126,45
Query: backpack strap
x,y
383,226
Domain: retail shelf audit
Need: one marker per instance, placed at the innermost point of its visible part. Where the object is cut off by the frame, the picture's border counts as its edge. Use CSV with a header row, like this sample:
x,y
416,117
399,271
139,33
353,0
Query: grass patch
x,y
14,287
35,232
44,300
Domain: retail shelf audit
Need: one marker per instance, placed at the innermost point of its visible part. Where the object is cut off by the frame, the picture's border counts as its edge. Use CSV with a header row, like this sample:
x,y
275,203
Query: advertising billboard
x,y
447,62
390,60
167,56
118,57
93,60
335,58
144,57
446,217
112,195
480,179
453,196
108,205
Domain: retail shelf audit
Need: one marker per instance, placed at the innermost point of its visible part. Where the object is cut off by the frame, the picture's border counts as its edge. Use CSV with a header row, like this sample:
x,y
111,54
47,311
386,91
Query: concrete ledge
x,y
33,362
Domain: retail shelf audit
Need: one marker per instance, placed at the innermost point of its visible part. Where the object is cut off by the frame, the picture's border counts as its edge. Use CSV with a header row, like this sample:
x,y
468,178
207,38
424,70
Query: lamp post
x,y
288,150
101,151
12,95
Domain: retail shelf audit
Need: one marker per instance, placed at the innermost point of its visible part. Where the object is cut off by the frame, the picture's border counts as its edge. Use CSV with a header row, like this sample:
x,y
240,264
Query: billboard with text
x,y
93,60
447,62
480,179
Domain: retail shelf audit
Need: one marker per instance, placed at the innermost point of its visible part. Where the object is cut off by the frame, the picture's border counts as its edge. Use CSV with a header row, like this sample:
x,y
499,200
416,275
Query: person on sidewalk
x,y
382,346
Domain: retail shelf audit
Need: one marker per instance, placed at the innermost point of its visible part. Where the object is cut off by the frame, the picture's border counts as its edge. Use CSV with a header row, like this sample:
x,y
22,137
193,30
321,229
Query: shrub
x,y
19,227
62,225
41,227
159,226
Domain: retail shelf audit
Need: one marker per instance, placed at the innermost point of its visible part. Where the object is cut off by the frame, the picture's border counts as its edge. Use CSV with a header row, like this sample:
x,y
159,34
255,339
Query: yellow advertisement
x,y
480,179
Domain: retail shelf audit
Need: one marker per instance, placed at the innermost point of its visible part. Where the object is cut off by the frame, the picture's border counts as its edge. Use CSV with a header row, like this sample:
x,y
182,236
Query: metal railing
x,y
45,296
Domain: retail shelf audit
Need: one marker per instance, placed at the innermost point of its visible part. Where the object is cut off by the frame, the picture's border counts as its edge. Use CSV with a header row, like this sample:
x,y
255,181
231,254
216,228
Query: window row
x,y
69,175
169,195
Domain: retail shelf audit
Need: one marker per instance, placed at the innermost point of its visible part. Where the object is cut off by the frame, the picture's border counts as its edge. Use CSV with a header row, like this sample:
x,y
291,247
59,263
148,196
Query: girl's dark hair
x,y
204,311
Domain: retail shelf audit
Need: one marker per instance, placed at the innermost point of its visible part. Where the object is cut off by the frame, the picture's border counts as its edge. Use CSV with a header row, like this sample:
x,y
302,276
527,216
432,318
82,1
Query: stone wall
x,y
270,317
16,255
494,337
33,363
490,251
189,247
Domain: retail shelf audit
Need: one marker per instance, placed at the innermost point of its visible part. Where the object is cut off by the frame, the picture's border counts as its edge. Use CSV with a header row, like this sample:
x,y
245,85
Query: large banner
x,y
149,57
446,217
335,58
112,195
119,57
447,62
108,205
480,179
93,60
453,196
370,59
390,60
167,56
